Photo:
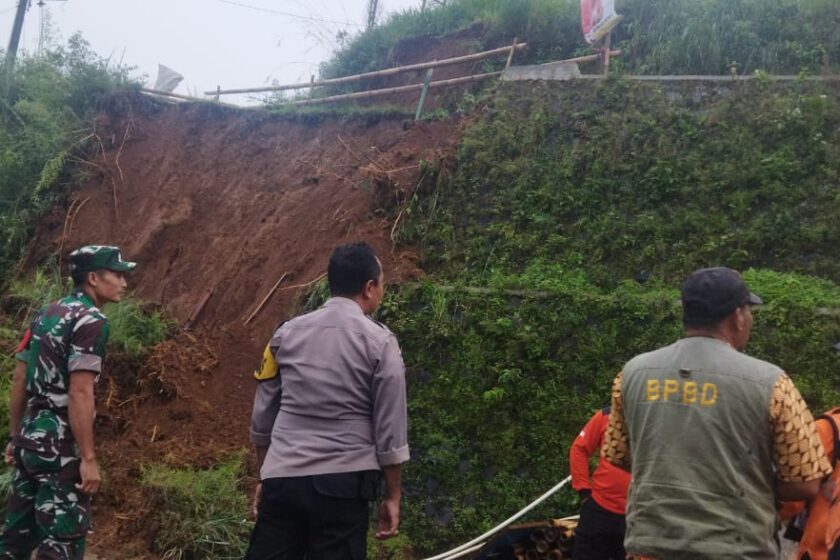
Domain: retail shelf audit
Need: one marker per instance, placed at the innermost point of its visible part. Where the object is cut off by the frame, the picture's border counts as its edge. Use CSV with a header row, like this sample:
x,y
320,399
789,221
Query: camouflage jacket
x,y
67,335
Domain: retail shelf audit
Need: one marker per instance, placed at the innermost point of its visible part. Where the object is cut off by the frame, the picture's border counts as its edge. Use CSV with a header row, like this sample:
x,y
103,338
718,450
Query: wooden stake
x,y
198,309
607,53
423,93
512,51
265,299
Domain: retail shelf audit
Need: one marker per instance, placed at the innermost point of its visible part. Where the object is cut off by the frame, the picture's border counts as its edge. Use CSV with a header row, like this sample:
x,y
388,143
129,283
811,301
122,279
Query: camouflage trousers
x,y
44,510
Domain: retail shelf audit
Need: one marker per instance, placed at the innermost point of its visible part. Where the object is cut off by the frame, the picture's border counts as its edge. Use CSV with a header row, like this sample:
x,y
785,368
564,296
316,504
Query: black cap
x,y
710,294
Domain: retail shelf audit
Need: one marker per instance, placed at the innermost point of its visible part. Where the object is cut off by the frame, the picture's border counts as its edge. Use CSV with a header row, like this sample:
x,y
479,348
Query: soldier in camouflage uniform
x,y
56,470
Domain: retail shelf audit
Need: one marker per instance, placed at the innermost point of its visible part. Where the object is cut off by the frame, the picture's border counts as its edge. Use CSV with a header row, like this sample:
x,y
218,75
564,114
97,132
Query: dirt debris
x,y
212,200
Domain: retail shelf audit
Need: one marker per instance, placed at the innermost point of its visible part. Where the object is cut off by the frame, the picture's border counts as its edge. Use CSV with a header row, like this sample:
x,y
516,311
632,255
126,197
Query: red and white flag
x,y
597,18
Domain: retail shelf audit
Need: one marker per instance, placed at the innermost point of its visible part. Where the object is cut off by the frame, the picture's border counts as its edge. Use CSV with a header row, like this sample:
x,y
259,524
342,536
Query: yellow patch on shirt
x,y
686,392
268,366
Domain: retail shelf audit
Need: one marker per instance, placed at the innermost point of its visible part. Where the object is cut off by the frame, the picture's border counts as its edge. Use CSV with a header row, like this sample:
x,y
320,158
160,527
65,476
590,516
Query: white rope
x,y
455,551
466,552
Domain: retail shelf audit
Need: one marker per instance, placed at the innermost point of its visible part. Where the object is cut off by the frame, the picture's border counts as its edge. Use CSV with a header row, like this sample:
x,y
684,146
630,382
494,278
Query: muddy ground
x,y
219,204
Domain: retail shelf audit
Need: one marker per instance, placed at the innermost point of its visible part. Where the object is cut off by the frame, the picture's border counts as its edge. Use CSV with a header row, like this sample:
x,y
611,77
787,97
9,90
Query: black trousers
x,y
599,535
322,517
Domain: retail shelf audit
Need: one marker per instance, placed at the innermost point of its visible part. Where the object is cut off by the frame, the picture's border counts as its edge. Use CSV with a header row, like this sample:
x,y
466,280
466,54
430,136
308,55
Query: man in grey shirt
x,y
329,419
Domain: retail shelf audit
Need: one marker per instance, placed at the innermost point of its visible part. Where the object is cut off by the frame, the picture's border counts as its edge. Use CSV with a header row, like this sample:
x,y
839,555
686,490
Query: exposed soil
x,y
207,198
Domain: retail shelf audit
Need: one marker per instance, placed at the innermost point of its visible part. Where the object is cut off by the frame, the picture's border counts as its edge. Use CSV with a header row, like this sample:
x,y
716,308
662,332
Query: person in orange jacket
x,y
600,533
825,506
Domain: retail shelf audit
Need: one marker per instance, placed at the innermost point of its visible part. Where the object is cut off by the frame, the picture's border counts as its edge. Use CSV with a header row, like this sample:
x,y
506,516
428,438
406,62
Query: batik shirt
x,y
68,335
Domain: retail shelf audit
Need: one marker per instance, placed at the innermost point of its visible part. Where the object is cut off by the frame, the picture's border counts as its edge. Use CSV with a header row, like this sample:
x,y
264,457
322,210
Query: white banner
x,y
168,79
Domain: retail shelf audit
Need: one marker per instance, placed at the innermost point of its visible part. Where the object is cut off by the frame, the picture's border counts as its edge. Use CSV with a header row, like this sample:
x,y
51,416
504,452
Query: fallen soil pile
x,y
216,205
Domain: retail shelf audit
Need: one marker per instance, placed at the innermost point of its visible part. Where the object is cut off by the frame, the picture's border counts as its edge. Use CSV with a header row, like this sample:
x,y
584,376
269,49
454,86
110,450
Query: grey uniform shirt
x,y
337,403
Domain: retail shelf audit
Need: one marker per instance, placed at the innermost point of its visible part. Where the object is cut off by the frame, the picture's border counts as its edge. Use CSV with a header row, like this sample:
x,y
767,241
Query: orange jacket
x,y
609,483
816,535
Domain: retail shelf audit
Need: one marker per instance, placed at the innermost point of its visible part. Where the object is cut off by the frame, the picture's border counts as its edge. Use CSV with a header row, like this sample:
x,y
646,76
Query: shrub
x,y
46,120
133,330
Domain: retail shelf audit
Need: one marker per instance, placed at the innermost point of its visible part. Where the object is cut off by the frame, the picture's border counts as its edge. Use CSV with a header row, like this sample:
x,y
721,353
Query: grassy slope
x,y
657,36
604,196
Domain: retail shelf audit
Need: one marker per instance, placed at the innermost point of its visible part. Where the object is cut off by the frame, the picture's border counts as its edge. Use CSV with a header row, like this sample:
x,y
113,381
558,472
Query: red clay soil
x,y
211,199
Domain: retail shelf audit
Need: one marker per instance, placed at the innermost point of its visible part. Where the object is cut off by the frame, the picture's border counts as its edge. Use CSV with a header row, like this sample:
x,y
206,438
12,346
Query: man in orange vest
x,y
822,528
600,534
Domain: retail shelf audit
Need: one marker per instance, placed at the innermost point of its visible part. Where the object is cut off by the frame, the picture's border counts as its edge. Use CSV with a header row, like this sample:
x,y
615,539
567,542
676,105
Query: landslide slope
x,y
216,201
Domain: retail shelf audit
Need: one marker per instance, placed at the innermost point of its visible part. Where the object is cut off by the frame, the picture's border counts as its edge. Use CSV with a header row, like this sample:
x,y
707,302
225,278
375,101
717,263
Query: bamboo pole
x,y
395,90
590,57
319,278
531,524
170,94
607,53
512,50
376,74
423,94
202,302
265,299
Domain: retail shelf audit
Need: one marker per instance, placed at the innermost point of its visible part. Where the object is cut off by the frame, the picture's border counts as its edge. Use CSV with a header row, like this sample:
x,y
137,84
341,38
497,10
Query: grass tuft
x,y
198,514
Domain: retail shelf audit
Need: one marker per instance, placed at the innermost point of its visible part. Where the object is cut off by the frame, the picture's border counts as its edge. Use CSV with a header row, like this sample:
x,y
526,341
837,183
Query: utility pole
x,y
14,40
42,26
372,13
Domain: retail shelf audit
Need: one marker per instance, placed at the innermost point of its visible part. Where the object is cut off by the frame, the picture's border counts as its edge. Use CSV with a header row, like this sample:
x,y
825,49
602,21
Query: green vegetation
x,y
134,329
499,384
45,126
576,211
621,180
657,36
197,514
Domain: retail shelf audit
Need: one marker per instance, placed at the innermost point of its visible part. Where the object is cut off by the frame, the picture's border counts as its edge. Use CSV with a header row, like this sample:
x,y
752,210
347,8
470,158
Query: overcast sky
x,y
232,43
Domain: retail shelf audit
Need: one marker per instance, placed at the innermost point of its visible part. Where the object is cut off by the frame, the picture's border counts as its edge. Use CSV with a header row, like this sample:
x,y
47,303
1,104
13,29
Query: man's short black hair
x,y
79,278
351,266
